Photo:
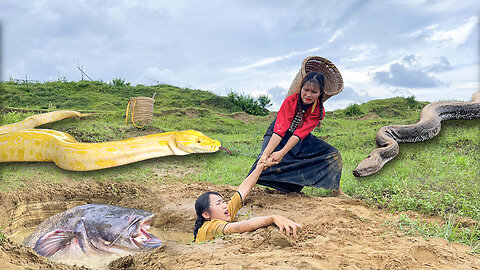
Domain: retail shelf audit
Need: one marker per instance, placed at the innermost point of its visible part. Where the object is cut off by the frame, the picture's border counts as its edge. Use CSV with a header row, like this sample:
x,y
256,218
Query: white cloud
x,y
335,35
361,52
454,36
253,47
269,61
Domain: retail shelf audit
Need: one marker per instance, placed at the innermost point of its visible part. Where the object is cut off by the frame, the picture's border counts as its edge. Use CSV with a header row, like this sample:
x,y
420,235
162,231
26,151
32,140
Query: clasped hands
x,y
271,160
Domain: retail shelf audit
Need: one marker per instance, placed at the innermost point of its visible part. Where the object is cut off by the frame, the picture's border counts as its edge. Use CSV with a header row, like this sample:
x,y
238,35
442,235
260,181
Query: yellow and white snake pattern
x,y
22,142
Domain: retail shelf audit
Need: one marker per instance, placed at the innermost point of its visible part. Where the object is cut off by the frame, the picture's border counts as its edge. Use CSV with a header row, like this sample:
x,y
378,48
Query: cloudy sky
x,y
425,48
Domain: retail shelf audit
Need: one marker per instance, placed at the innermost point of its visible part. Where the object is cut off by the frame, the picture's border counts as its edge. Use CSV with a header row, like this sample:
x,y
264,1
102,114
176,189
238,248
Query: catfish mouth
x,y
141,238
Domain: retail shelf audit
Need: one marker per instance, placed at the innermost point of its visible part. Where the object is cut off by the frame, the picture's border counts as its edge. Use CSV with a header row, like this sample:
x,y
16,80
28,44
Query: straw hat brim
x,y
333,78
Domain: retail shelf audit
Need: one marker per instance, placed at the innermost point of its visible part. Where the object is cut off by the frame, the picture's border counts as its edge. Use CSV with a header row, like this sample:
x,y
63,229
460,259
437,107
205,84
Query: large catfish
x,y
94,230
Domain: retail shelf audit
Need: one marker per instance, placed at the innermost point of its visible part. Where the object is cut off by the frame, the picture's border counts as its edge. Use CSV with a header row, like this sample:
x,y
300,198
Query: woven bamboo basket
x,y
141,111
333,78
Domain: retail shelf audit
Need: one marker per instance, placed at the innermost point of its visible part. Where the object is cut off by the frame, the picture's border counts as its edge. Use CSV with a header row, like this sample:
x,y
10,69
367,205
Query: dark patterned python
x,y
426,128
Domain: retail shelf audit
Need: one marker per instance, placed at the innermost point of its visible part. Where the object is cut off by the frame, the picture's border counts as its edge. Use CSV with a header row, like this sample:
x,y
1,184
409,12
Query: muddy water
x,y
19,235
101,262
172,236
164,235
23,216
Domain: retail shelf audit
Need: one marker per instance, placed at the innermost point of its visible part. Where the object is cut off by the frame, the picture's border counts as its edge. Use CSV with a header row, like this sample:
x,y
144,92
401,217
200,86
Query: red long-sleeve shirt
x,y
287,112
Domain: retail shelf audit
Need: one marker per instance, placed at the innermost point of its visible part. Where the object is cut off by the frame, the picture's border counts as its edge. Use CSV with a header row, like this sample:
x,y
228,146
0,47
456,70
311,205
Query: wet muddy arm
x,y
284,224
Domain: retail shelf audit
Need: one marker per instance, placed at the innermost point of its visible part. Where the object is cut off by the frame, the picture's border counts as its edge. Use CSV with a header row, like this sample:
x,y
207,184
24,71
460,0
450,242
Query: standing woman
x,y
293,156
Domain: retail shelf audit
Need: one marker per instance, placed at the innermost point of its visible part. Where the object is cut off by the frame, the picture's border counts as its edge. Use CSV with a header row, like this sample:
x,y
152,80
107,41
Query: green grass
x,y
438,177
450,230
2,236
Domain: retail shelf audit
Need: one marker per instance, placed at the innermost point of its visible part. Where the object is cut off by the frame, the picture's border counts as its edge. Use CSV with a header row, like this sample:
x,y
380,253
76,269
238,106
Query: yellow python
x,y
22,142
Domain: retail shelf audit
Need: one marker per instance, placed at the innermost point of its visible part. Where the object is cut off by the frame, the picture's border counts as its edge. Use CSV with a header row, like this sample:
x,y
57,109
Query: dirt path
x,y
337,233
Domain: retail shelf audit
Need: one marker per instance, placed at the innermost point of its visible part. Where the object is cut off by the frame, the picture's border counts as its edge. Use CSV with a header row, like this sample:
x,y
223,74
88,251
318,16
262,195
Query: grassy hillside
x,y
86,95
438,177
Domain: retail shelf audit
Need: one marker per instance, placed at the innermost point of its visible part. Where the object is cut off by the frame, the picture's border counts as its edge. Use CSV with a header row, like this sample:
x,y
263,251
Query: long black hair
x,y
318,79
202,204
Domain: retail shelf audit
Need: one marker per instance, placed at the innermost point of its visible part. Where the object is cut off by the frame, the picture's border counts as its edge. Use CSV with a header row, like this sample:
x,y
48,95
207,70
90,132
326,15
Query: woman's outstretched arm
x,y
284,224
247,184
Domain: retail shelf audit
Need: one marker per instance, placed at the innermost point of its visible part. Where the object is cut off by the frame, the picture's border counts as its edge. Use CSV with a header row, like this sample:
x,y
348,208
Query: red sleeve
x,y
310,121
285,115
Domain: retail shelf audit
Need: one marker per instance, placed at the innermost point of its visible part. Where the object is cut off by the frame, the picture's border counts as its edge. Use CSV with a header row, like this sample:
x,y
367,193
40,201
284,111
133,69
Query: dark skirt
x,y
311,162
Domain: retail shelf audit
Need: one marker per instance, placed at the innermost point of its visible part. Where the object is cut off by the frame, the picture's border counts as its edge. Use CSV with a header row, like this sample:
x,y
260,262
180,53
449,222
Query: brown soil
x,y
244,117
336,234
248,118
368,116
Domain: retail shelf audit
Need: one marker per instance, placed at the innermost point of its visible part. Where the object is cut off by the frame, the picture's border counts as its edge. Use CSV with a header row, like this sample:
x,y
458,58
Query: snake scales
x,y
426,128
22,142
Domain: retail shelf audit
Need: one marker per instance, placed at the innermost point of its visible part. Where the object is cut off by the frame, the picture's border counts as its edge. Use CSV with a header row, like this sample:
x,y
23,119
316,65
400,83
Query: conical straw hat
x,y
333,78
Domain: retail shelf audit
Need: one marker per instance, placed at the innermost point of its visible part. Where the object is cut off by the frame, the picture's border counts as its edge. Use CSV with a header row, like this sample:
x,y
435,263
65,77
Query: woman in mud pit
x,y
295,157
215,217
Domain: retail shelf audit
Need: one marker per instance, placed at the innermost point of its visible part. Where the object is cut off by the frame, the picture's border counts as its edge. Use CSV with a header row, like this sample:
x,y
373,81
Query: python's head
x,y
192,141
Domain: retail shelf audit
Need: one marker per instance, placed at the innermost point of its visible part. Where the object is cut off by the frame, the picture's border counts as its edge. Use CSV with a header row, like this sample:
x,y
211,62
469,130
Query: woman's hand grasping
x,y
286,225
261,161
274,158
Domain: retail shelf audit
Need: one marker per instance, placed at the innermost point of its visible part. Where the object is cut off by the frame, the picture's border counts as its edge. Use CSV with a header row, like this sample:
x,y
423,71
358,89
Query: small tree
x,y
412,103
264,101
119,82
250,104
353,110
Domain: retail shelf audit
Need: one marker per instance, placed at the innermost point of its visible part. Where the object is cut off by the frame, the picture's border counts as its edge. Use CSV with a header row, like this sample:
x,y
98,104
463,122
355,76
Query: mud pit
x,y
337,233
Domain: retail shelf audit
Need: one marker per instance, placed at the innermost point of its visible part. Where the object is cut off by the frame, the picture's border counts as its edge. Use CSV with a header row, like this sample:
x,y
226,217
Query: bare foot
x,y
339,194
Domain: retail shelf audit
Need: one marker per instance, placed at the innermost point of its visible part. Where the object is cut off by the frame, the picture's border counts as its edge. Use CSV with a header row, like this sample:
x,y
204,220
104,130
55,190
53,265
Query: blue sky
x,y
425,48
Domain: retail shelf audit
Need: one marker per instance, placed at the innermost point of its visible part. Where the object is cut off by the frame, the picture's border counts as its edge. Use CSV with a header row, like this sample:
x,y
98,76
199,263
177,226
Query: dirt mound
x,y
248,118
336,234
368,116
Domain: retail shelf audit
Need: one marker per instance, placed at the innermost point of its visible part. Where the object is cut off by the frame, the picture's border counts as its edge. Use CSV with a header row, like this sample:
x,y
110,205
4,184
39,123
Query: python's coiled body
x,y
426,128
20,142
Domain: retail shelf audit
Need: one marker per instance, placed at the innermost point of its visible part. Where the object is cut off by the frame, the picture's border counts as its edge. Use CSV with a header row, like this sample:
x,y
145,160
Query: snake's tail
x,y
226,149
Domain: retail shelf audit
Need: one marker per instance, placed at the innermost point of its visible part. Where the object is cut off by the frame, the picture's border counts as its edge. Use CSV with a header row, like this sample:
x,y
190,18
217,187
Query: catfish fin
x,y
53,241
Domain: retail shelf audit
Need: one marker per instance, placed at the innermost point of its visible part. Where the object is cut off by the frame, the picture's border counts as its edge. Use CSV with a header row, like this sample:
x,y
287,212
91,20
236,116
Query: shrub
x,y
264,101
119,82
12,117
249,104
353,110
412,103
